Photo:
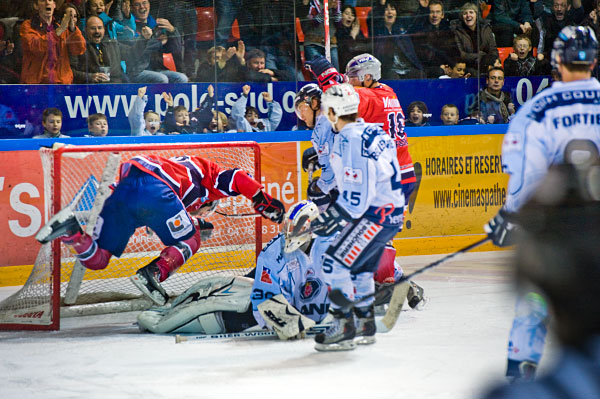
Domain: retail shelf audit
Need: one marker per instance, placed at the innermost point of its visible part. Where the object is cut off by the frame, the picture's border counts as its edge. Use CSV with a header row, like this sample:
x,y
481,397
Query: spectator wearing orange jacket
x,y
47,45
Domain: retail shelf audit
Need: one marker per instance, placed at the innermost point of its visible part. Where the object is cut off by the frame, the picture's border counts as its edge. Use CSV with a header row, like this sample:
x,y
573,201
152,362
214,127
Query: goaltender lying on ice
x,y
286,292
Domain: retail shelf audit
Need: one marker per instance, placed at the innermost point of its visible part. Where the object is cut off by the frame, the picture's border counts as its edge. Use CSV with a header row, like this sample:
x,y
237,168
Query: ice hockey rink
x,y
454,348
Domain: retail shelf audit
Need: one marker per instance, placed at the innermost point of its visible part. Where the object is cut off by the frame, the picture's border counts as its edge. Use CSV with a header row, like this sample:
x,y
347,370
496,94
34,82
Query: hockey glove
x,y
269,207
331,221
310,157
206,229
320,198
500,230
325,73
284,319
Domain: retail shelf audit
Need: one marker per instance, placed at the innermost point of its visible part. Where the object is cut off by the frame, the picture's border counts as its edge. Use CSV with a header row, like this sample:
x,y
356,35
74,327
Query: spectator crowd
x,y
263,41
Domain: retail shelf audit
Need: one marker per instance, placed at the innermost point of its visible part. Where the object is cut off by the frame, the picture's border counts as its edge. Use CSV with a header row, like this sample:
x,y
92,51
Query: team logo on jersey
x,y
180,224
265,276
353,176
323,149
293,265
311,289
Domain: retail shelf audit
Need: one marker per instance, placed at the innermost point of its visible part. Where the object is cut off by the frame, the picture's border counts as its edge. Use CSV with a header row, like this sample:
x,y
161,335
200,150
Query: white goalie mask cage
x,y
296,225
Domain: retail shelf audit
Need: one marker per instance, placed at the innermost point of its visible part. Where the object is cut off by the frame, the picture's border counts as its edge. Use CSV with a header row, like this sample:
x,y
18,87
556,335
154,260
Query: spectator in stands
x,y
350,39
314,29
162,37
253,69
510,18
434,40
495,105
272,29
114,29
143,123
52,123
247,119
394,47
474,118
205,119
177,119
101,63
418,114
521,62
474,39
7,57
455,69
592,19
449,115
97,125
212,68
47,45
564,13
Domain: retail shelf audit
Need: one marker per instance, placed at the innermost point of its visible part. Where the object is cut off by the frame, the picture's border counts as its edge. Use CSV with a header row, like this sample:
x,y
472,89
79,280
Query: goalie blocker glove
x,y
331,221
321,199
325,72
500,230
269,207
284,319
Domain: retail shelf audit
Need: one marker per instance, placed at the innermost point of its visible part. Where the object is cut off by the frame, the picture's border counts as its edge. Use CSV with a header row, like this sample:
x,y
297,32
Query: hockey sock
x,y
88,252
171,258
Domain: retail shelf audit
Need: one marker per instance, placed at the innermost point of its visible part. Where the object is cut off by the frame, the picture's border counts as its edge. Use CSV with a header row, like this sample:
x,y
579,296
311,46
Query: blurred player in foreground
x,y
164,195
558,255
558,125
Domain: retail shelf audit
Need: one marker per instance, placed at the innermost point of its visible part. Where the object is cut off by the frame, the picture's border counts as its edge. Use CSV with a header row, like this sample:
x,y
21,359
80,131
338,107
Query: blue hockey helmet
x,y
306,95
576,45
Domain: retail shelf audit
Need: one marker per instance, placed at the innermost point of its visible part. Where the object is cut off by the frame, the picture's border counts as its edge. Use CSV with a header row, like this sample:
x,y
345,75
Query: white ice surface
x,y
454,348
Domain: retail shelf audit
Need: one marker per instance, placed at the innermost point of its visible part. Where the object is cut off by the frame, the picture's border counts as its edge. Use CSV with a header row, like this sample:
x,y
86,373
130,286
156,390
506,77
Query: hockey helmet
x,y
343,99
296,225
364,64
575,45
306,95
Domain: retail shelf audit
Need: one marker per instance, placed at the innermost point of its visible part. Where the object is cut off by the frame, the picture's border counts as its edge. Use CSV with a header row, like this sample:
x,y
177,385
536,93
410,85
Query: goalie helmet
x,y
296,225
343,99
364,64
576,45
306,95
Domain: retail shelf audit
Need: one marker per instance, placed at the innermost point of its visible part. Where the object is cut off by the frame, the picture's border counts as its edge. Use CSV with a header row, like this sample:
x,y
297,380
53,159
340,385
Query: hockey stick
x,y
244,334
241,215
337,297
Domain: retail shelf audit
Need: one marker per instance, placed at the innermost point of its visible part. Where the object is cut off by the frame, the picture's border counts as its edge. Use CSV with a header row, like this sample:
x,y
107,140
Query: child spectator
x,y
449,115
474,118
177,119
114,29
97,125
143,124
455,69
522,62
247,119
418,114
205,119
52,123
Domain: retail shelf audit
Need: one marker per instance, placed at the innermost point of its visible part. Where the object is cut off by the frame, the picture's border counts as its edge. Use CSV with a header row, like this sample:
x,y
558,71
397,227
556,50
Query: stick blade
x,y
337,297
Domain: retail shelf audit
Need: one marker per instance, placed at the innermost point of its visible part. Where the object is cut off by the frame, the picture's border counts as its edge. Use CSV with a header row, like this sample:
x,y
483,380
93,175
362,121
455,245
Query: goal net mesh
x,y
72,177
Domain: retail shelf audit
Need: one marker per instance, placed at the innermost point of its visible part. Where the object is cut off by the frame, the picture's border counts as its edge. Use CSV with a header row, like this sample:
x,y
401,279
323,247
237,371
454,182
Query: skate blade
x,y
364,340
347,345
140,283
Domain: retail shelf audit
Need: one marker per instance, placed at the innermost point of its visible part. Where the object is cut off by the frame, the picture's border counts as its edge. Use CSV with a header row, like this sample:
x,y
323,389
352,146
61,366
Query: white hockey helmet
x,y
343,99
296,225
364,64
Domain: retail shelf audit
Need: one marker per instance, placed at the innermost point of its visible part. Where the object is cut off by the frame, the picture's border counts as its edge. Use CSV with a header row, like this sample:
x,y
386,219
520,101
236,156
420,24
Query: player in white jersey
x,y
559,125
367,213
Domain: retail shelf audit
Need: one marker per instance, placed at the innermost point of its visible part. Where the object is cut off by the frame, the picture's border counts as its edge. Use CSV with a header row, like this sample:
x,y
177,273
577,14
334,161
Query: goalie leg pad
x,y
198,310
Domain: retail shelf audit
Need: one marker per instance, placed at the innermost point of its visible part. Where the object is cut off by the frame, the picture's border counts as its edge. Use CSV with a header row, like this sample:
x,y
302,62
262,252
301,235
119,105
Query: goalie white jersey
x,y
540,133
366,169
292,274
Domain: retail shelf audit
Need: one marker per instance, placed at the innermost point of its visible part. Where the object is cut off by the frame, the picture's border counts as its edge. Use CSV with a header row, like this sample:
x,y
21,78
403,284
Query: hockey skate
x,y
146,280
63,224
415,297
365,326
338,337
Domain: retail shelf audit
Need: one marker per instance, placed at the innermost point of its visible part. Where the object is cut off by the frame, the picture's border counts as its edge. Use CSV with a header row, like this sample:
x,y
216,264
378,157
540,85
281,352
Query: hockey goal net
x,y
79,177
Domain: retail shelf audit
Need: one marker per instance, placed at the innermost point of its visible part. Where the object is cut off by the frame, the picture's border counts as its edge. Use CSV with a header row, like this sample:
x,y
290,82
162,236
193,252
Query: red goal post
x,y
73,176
